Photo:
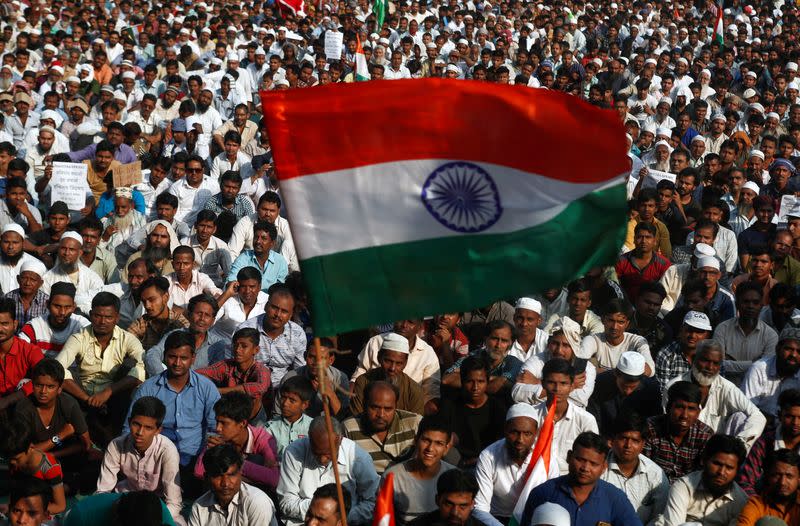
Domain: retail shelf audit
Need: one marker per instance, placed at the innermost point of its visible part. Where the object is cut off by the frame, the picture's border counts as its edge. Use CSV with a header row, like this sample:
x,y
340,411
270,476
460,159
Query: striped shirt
x,y
282,354
40,333
399,440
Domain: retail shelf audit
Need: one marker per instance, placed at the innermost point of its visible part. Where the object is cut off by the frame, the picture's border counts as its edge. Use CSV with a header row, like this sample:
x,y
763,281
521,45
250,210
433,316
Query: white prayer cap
x,y
570,329
708,261
772,115
35,266
394,342
72,235
129,75
757,153
757,107
260,51
550,514
522,409
281,82
650,127
233,57
14,227
430,45
699,138
184,31
666,132
453,68
665,100
750,185
529,304
698,320
650,61
631,363
718,117
751,74
53,49
703,250
683,61
748,93
71,79
206,30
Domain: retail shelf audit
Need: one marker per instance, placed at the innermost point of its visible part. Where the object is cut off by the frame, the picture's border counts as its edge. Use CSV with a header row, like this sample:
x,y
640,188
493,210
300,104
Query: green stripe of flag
x,y
462,272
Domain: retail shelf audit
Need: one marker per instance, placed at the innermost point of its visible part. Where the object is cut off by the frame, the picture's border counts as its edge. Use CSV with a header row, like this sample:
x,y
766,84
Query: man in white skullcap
x,y
720,300
716,133
422,365
31,301
743,216
501,466
564,341
676,275
550,514
530,338
12,256
69,268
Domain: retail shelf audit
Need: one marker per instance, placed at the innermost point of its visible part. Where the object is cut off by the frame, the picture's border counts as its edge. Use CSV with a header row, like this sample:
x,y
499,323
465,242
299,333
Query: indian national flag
x,y
414,197
719,25
539,467
380,8
362,71
384,503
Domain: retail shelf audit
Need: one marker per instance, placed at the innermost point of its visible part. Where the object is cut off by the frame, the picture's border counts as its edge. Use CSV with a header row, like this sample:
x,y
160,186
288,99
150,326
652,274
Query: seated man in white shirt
x,y
193,190
641,479
530,338
501,466
229,496
605,349
306,466
186,282
768,377
70,269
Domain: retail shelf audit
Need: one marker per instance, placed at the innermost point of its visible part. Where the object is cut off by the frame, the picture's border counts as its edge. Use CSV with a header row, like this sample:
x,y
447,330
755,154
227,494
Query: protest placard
x,y
333,44
656,176
69,184
127,174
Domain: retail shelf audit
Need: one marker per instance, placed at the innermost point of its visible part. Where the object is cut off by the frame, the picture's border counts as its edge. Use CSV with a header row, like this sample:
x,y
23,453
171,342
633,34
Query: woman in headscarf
x,y
745,145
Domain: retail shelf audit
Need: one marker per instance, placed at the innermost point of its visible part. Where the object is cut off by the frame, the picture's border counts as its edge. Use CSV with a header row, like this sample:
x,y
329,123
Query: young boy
x,y
254,442
295,394
212,256
242,373
145,443
27,505
415,479
27,461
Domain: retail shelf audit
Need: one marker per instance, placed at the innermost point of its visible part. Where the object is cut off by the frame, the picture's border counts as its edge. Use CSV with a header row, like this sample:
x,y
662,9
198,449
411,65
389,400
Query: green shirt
x,y
286,432
97,510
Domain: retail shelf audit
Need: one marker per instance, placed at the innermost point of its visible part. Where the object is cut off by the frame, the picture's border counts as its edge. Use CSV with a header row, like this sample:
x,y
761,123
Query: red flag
x,y
294,7
384,505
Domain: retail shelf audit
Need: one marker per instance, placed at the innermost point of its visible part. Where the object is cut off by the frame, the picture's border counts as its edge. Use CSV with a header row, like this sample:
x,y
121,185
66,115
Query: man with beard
x,y
12,256
778,497
676,359
50,331
771,375
207,117
123,221
746,338
209,347
229,200
503,368
711,495
15,207
725,409
93,256
786,268
29,298
588,499
130,301
193,190
269,210
382,430
637,476
456,491
501,466
565,338
161,240
675,440
165,207
241,124
166,108
784,435
743,216
159,318
68,268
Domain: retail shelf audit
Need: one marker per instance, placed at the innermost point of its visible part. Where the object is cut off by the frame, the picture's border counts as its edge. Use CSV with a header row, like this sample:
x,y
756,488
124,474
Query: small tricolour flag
x,y
719,25
384,504
540,468
436,195
362,71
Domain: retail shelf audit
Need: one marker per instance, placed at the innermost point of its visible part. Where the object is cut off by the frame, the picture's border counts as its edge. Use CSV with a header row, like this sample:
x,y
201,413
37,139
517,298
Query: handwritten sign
x,y
334,42
787,203
69,184
127,174
656,176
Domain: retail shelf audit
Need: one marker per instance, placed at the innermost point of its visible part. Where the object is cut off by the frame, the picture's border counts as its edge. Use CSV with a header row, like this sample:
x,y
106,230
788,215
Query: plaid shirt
x,y
38,307
242,206
255,380
671,363
675,460
752,471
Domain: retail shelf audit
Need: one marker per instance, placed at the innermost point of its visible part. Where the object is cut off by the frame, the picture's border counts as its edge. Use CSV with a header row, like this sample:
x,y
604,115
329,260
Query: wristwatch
x,y
57,440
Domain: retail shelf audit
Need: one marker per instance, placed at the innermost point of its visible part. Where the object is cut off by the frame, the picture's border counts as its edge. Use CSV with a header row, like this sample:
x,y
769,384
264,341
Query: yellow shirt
x,y
663,244
97,368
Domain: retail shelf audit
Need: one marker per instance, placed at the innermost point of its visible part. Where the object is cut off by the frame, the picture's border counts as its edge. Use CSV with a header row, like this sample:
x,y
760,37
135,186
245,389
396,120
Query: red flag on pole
x,y
384,505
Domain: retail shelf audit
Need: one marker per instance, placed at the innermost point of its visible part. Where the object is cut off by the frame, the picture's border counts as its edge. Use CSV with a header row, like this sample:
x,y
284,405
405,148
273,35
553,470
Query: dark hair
x,y
90,222
473,363
138,508
61,288
782,290
159,282
179,338
784,456
231,176
647,227
628,421
166,198
151,407
589,440
105,299
104,146
725,444
579,285
789,398
247,333
618,306
299,385
501,324
270,197
235,405
203,298
183,249
653,287
558,366
248,273
266,226
328,491
206,215
25,487
748,286
434,423
14,439
647,194
9,306
218,460
49,367
456,481
232,136
683,391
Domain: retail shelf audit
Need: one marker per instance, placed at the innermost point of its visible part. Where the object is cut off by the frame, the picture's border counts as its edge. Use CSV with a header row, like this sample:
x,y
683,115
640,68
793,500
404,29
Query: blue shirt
x,y
606,503
124,154
190,413
274,271
106,204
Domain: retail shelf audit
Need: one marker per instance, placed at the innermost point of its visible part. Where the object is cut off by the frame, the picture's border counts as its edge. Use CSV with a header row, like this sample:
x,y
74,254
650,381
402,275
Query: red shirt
x,y
631,277
17,365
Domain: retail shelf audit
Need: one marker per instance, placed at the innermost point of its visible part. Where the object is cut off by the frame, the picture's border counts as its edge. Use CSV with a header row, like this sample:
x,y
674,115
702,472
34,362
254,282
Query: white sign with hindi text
x,y
334,43
656,176
69,184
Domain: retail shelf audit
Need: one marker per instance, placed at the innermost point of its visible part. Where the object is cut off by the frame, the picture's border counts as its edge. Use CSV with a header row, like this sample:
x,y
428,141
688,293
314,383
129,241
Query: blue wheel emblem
x,y
463,197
